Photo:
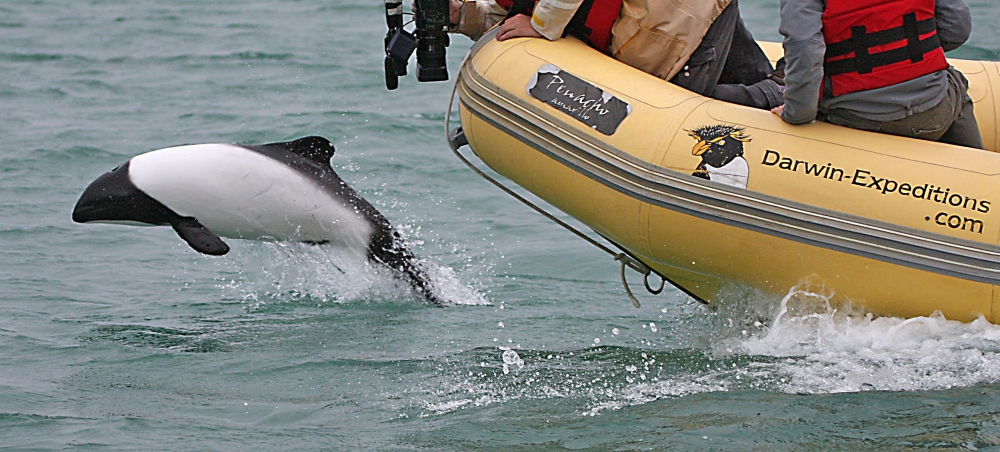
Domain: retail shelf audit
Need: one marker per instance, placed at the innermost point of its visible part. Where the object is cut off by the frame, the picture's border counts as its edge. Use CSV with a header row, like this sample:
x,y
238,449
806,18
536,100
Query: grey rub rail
x,y
744,209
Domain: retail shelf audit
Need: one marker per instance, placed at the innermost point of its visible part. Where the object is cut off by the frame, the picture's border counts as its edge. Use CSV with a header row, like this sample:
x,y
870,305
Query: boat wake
x,y
830,349
803,345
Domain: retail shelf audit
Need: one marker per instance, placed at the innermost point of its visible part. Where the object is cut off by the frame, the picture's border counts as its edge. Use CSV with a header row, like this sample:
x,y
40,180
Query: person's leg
x,y
926,125
729,65
747,64
744,78
964,130
702,71
933,124
847,118
765,94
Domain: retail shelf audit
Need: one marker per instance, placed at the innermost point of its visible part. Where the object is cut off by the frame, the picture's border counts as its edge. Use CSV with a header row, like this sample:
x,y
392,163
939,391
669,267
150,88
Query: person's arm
x,y
954,23
802,27
551,17
549,20
474,17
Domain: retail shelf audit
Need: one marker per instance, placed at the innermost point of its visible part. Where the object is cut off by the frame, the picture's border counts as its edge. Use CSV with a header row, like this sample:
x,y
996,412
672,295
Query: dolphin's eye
x,y
722,142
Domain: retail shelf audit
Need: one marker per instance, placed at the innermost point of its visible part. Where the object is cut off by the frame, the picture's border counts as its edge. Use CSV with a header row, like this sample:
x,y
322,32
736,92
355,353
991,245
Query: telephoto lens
x,y
432,38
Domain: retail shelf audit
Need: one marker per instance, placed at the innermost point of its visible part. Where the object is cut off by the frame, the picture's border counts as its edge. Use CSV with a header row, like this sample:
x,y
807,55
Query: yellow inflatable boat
x,y
710,194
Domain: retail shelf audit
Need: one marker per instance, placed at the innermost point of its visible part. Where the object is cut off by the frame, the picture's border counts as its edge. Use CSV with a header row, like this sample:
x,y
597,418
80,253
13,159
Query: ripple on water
x,y
804,345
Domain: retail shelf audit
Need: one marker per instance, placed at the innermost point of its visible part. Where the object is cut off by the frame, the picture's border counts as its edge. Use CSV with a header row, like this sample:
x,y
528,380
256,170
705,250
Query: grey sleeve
x,y
802,27
954,23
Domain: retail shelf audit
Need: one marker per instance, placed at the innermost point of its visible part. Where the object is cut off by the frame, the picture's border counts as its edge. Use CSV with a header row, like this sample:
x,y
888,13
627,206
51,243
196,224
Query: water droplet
x,y
597,340
510,357
500,324
652,327
614,331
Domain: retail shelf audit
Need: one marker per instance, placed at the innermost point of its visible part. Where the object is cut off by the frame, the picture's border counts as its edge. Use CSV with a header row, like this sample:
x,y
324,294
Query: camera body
x,y
429,39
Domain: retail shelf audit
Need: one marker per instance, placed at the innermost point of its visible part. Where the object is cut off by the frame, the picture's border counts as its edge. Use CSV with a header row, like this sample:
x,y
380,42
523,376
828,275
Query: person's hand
x,y
456,12
518,26
778,110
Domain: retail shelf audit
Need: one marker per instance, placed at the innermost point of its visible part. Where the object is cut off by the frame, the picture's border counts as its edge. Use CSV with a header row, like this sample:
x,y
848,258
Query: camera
x,y
429,39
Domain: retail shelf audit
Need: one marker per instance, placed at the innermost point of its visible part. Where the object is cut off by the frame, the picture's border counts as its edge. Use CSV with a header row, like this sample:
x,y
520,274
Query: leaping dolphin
x,y
277,191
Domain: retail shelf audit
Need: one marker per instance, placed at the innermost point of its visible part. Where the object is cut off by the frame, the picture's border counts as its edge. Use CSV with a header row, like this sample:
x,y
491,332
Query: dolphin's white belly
x,y
238,193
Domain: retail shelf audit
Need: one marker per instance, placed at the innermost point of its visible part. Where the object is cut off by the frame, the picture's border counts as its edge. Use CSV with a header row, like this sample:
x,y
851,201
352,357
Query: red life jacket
x,y
877,43
592,22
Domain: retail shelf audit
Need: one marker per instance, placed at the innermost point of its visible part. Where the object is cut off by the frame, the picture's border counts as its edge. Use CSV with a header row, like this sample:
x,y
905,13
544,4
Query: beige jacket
x,y
656,36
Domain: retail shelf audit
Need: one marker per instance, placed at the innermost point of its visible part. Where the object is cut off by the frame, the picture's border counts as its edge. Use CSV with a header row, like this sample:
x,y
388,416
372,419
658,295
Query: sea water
x,y
117,337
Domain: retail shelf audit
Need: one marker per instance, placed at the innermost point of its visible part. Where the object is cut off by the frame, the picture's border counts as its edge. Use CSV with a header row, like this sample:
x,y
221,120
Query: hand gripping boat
x,y
710,194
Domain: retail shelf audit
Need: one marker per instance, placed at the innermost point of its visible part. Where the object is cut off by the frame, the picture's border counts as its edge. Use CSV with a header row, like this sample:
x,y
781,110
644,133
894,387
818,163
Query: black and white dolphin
x,y
277,191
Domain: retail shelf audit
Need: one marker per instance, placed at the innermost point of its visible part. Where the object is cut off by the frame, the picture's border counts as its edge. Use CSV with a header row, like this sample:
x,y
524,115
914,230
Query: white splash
x,y
450,288
643,393
446,407
283,271
828,349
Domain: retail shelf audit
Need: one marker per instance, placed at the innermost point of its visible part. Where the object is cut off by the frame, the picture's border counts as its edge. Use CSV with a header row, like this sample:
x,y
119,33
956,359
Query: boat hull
x,y
817,203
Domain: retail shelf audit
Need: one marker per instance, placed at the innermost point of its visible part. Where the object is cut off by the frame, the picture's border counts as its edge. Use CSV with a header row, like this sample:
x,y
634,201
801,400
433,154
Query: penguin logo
x,y
721,150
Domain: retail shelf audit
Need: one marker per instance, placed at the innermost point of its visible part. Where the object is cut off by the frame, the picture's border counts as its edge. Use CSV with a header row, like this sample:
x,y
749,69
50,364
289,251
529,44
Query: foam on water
x,y
274,272
842,349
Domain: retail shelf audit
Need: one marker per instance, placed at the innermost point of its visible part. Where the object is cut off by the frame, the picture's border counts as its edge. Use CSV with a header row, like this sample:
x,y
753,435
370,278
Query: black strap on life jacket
x,y
577,26
861,41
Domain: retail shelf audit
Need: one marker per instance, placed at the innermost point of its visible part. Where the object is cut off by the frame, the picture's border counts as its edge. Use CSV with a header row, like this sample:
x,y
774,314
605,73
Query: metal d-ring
x,y
645,282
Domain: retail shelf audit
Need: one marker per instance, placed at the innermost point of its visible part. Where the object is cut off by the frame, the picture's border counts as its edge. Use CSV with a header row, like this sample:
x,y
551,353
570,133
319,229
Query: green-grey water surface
x,y
123,338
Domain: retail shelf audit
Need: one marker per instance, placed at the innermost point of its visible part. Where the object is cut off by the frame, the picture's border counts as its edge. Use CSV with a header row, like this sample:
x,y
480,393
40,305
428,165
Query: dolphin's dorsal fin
x,y
198,236
317,149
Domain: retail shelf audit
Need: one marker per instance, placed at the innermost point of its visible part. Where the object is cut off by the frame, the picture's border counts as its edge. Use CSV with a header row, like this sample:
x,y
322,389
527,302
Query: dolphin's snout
x,y
113,197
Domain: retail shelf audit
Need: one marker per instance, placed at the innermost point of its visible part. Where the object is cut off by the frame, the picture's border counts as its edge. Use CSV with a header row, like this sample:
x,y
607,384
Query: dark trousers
x,y
726,62
951,121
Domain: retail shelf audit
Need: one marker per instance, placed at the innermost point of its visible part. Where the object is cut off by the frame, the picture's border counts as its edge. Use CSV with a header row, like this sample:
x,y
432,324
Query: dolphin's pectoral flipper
x,y
198,236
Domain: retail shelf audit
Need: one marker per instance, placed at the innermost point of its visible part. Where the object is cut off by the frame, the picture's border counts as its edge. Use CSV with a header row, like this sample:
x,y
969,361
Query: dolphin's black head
x,y
112,197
